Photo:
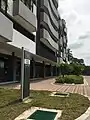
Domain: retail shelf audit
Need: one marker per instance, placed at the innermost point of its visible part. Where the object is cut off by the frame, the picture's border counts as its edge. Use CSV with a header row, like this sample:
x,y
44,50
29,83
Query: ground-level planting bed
x,y
11,107
70,79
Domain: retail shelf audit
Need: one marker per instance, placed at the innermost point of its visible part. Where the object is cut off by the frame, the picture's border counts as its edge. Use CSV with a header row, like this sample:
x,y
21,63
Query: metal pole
x,y
22,72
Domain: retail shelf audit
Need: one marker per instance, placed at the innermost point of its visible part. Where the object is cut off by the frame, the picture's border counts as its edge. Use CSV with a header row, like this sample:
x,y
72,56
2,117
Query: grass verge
x,y
11,107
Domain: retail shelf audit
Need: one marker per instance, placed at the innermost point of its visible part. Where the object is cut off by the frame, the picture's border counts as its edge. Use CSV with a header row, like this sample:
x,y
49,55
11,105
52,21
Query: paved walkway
x,y
49,85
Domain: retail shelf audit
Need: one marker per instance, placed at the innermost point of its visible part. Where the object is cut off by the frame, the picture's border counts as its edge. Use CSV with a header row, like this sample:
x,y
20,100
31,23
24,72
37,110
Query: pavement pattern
x,y
49,85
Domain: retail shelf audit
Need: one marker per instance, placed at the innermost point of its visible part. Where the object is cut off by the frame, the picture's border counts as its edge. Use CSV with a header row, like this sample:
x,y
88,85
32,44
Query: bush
x,y
60,79
69,79
71,69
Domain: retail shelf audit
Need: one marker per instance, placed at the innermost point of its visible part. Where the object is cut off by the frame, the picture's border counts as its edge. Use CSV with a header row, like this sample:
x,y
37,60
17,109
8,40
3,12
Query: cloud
x,y
77,16
76,45
82,6
71,17
85,36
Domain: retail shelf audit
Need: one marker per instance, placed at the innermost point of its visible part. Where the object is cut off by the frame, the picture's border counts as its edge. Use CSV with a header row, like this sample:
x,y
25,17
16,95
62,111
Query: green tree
x,y
77,69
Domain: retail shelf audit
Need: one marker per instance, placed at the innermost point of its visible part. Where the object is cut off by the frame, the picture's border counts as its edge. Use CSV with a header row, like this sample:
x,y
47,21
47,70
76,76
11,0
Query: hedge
x,y
69,79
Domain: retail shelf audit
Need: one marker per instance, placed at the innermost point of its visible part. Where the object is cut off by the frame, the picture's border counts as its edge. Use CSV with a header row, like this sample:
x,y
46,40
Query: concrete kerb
x,y
86,114
85,82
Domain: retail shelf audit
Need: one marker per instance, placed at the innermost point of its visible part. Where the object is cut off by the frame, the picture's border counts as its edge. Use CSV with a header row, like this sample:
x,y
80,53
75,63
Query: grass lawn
x,y
72,106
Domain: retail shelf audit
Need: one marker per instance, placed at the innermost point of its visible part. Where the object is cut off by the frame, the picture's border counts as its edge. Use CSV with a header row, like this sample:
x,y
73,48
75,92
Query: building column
x,y
13,66
51,70
56,70
34,69
43,69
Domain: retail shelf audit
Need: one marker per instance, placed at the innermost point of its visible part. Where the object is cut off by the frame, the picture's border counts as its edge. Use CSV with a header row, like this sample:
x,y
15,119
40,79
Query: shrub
x,y
70,79
60,79
71,69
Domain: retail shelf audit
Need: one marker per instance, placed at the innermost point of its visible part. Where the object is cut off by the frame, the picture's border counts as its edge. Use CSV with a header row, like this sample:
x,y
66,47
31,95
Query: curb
x,y
86,114
85,82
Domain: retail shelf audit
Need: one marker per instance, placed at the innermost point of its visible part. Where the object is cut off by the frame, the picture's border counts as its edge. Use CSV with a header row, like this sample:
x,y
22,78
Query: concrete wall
x,y
46,3
6,29
20,41
24,16
47,38
47,20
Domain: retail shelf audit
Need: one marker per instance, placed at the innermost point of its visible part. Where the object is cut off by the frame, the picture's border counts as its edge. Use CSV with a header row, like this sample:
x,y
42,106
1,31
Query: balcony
x,y
23,15
6,29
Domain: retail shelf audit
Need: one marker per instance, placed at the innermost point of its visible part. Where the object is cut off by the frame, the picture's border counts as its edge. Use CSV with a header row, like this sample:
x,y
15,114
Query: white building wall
x,y
20,41
6,29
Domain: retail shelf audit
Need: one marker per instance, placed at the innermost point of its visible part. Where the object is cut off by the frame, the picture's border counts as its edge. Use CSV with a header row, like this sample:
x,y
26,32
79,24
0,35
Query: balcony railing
x,y
24,16
28,3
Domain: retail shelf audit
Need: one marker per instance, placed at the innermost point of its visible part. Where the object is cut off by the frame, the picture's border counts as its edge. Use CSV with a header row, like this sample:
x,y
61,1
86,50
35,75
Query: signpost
x,y
25,75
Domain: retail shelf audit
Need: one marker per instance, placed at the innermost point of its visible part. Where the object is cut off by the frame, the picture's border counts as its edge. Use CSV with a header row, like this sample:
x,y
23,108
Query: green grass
x,y
69,79
11,107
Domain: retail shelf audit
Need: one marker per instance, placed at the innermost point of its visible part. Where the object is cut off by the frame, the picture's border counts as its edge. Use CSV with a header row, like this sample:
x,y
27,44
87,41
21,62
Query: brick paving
x,y
83,89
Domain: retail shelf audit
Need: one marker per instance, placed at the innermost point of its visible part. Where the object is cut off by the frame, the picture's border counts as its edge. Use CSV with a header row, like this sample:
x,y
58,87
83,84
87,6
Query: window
x,y
29,4
1,64
3,5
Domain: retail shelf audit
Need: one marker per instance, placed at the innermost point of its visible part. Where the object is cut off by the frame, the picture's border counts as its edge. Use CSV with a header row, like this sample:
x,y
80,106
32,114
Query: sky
x,y
77,16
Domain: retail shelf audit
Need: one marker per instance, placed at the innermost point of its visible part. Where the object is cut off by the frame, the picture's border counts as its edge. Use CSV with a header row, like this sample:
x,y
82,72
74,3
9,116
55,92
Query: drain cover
x,y
42,115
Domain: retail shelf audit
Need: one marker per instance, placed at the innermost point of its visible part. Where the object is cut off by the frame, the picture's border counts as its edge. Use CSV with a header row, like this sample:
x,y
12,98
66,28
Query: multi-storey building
x,y
34,25
62,41
47,30
17,26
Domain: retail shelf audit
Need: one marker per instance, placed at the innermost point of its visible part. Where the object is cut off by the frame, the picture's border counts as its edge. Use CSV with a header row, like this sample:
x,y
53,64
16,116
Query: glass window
x,y
3,5
29,4
1,64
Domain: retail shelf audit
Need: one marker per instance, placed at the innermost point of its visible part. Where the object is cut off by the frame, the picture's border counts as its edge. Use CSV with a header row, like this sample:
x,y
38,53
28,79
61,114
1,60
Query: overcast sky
x,y
77,15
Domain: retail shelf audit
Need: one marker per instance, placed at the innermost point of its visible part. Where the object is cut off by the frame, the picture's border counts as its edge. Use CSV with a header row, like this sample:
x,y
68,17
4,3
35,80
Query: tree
x,y
77,69
69,69
78,61
66,69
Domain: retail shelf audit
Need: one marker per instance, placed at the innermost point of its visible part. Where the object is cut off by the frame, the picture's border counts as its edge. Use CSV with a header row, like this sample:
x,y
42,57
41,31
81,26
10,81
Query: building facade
x,y
47,30
18,24
63,53
34,25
